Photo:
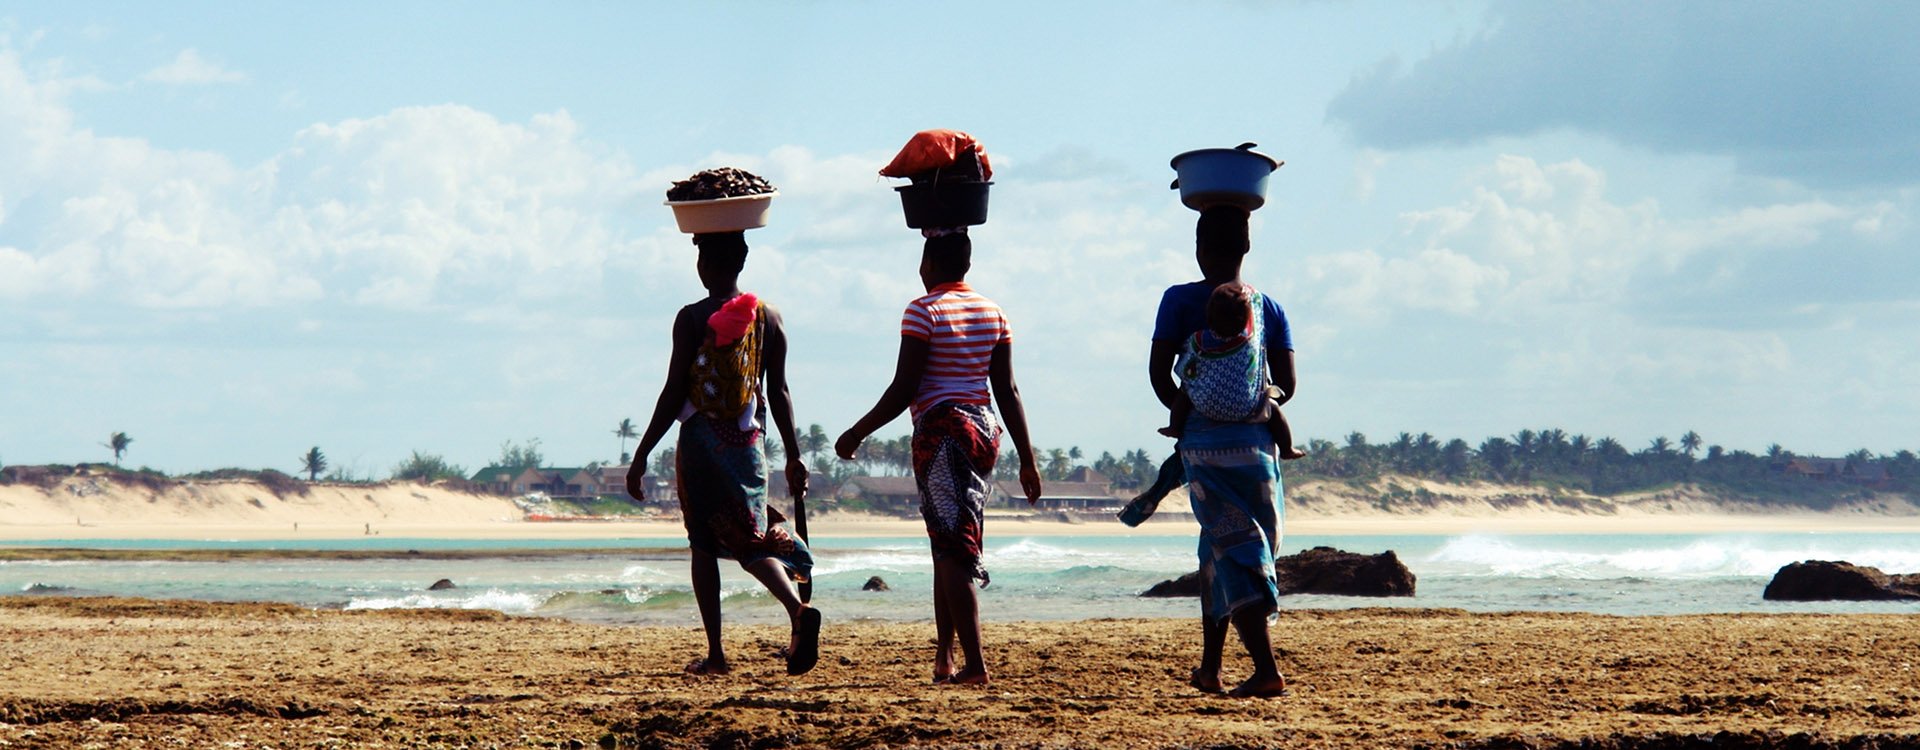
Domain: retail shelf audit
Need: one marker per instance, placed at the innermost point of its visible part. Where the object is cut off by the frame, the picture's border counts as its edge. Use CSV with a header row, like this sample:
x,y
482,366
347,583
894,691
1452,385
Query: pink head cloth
x,y
730,322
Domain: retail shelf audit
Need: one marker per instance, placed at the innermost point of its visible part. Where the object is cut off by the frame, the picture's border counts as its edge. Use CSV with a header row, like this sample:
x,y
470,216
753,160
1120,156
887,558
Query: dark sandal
x,y
806,649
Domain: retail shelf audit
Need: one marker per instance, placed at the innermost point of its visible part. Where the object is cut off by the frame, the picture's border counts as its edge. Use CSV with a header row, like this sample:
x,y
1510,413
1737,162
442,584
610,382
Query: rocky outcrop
x,y
1826,580
442,585
1325,570
1186,585
876,583
1321,570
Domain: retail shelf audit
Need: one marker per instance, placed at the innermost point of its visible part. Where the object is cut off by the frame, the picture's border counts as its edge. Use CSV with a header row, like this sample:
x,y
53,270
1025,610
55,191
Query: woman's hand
x,y
1030,481
848,444
796,477
635,479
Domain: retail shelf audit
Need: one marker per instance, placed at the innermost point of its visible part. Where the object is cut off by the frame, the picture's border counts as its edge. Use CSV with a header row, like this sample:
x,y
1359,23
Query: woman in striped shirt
x,y
956,359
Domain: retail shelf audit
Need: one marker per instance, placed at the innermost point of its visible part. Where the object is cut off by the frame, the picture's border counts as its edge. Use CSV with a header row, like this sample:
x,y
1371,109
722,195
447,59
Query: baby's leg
x,y
1177,420
1282,433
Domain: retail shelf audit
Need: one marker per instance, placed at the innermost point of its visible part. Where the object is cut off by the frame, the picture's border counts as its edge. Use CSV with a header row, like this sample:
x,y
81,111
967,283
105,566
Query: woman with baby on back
x,y
1237,370
728,366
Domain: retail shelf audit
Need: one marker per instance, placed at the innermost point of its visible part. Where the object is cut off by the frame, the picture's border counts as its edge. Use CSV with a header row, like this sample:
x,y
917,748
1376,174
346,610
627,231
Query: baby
x,y
1223,371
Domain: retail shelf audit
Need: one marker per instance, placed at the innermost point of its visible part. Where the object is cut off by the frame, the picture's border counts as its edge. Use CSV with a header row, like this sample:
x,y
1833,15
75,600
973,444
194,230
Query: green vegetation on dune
x,y
1553,460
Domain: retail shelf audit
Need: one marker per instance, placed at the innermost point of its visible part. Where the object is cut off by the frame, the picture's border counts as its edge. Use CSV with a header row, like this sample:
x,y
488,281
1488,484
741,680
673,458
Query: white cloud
x,y
1792,89
190,69
1540,239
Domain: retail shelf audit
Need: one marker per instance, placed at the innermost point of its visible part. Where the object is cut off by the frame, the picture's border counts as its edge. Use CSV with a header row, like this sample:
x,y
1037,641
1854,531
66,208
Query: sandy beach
x,y
137,673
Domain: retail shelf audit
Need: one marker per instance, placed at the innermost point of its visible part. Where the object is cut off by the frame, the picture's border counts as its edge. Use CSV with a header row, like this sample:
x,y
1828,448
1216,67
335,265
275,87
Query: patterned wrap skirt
x,y
954,449
1234,485
723,497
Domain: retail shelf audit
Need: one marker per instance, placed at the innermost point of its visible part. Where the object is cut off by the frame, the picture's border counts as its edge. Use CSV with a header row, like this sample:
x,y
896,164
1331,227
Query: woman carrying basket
x,y
727,368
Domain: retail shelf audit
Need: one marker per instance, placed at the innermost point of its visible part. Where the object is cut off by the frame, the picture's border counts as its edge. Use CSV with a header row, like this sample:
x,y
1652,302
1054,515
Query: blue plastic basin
x,y
1230,176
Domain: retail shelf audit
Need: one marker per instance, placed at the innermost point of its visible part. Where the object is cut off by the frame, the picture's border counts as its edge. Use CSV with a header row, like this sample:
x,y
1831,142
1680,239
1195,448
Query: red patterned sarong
x,y
954,449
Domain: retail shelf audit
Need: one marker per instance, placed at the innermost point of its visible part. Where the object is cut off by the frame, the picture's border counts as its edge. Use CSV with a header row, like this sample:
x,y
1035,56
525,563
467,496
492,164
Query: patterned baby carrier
x,y
726,369
1227,380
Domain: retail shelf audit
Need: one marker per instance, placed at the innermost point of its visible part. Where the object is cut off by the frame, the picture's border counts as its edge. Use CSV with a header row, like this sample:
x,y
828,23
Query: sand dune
x,y
98,506
100,500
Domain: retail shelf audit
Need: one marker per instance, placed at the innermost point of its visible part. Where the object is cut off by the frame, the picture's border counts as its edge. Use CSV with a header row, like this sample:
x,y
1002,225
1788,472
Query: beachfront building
x,y
555,482
495,479
882,494
1083,490
1866,473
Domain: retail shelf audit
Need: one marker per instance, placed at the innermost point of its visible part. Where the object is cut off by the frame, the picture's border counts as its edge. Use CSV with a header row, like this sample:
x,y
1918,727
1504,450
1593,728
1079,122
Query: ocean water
x,y
1034,578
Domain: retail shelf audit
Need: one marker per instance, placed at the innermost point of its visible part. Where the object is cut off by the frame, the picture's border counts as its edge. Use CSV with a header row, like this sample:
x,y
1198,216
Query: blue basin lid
x,y
1244,148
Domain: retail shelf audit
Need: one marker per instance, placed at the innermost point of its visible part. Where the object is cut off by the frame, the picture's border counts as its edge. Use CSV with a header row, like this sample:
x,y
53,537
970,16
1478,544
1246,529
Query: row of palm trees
x,y
1601,465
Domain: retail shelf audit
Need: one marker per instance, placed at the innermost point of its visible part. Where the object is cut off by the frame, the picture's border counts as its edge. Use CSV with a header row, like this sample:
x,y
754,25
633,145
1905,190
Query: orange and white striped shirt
x,y
961,329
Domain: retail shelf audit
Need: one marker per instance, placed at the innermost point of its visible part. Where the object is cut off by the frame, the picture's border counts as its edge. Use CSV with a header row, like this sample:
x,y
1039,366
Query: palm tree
x,y
1523,442
118,443
625,431
664,464
1498,453
1426,450
1057,464
1143,468
814,442
313,463
1610,450
1690,443
1454,457
1660,446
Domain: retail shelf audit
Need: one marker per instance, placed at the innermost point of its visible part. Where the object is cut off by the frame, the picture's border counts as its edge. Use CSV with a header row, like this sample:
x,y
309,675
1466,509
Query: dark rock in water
x,y
876,584
1321,570
1824,580
442,585
44,588
1325,570
1186,585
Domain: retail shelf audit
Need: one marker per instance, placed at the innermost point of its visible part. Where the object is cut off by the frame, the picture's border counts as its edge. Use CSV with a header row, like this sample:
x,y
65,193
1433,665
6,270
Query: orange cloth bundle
x,y
934,149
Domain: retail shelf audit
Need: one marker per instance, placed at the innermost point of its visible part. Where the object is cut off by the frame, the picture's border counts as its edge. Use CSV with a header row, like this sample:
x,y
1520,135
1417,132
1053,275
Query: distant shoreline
x,y
1521,522
83,508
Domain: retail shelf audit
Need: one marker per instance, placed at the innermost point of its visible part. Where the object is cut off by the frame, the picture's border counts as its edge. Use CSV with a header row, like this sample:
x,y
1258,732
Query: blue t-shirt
x,y
1183,310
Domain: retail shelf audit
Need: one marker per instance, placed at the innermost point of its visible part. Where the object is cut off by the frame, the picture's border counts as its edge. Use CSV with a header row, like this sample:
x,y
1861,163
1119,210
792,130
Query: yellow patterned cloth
x,y
726,379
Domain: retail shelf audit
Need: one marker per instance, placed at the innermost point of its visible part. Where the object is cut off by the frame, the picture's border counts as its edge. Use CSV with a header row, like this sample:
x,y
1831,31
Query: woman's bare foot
x,y
969,676
1203,681
708,666
1257,686
943,664
1289,453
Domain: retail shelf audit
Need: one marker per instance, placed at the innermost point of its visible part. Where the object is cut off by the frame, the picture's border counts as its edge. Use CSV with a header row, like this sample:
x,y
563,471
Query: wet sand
x,y
136,673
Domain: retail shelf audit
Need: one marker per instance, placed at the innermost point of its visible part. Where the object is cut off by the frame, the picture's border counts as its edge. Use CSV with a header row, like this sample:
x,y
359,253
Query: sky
x,y
236,231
